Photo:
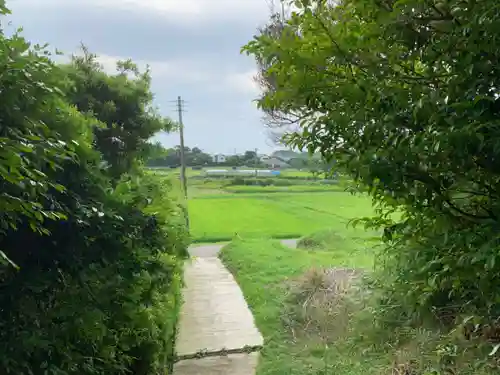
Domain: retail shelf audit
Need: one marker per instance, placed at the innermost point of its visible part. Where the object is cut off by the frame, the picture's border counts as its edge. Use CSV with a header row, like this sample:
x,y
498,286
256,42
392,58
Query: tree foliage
x,y
171,157
122,102
91,276
276,119
404,94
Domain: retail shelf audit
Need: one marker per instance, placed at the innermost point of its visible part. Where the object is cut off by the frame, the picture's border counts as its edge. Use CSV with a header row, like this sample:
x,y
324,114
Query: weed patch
x,y
277,281
319,303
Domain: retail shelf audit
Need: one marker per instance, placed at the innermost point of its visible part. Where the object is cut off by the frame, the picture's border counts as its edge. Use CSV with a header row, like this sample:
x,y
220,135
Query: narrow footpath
x,y
217,332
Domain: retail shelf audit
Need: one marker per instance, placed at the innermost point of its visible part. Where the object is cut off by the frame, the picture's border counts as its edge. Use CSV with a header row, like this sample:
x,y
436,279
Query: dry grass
x,y
323,306
320,303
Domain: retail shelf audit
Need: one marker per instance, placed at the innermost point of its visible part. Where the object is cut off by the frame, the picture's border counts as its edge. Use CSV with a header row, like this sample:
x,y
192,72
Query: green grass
x,y
295,173
219,217
262,269
348,239
356,342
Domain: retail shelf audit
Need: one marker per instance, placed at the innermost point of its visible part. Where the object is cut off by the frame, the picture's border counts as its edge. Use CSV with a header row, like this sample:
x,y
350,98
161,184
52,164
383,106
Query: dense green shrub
x,y
27,144
91,278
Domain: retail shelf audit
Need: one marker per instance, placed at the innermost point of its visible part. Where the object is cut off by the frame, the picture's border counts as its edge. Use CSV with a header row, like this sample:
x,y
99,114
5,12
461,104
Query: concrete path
x,y
217,333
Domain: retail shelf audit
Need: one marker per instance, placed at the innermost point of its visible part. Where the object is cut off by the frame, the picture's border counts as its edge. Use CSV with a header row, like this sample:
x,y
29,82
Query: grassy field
x,y
219,210
264,269
218,217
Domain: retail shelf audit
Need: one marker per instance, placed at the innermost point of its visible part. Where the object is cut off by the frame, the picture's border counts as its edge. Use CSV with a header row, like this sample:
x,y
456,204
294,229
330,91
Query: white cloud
x,y
185,71
171,70
202,8
198,11
243,82
209,77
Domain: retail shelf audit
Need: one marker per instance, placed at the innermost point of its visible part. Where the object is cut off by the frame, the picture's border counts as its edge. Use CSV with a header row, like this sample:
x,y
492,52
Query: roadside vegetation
x,y
297,307
90,245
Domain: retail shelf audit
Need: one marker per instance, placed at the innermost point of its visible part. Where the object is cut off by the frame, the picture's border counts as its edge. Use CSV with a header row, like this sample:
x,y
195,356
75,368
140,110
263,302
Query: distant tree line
x,y
159,156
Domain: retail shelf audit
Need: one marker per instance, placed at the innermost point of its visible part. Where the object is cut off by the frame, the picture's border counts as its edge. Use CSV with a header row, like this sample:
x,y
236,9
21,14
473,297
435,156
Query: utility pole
x,y
180,109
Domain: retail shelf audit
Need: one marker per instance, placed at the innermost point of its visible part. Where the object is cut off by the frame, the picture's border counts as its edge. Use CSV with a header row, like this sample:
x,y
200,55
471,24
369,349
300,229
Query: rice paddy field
x,y
277,215
221,211
288,207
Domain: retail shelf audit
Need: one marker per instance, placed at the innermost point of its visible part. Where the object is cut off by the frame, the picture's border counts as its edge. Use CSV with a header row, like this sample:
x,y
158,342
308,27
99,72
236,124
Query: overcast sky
x,y
192,46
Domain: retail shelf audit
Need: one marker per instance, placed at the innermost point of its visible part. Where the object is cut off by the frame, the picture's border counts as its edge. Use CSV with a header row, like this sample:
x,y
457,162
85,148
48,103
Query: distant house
x,y
285,155
274,162
219,158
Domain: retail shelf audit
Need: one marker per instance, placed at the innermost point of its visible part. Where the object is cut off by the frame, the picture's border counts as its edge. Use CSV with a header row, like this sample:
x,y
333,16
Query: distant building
x,y
274,162
219,158
285,155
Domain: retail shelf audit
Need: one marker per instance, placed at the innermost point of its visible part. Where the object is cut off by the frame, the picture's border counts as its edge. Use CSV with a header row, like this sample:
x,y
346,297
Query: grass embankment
x,y
219,217
283,189
264,269
199,188
316,321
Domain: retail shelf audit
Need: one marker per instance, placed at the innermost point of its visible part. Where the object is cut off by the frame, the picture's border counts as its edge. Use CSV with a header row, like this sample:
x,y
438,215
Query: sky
x,y
193,49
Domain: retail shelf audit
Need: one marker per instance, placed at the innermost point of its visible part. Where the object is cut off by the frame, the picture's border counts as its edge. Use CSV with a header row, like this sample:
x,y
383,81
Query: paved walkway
x,y
217,333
